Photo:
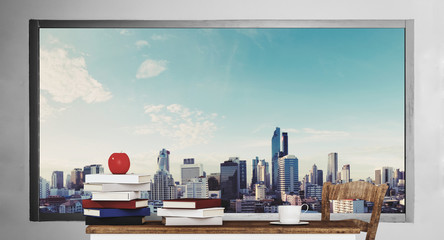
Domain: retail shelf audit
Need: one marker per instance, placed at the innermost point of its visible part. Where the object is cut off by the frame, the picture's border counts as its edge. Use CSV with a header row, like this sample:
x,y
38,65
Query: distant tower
x,y
163,161
242,171
190,170
261,172
314,174
345,174
163,185
77,178
320,177
387,176
57,179
43,188
254,163
229,180
332,168
275,149
288,175
285,143
197,188
378,176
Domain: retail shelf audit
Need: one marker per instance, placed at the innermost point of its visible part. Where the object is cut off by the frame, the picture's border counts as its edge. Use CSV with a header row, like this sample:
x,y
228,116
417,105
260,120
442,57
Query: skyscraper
x,y
197,188
188,161
387,176
261,173
320,177
163,186
92,169
229,180
378,176
242,171
57,179
275,149
345,174
43,188
332,168
314,174
190,170
288,174
77,178
254,163
285,143
163,161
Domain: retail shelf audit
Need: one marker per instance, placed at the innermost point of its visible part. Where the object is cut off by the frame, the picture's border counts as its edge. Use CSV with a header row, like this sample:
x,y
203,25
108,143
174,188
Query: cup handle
x,y
308,207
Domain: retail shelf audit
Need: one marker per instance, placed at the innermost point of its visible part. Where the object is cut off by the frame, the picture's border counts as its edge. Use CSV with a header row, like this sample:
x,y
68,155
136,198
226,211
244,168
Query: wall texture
x,y
14,121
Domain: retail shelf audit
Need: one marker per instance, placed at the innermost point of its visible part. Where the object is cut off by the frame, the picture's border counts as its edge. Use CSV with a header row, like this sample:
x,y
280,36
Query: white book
x,y
115,196
195,213
187,221
117,178
116,187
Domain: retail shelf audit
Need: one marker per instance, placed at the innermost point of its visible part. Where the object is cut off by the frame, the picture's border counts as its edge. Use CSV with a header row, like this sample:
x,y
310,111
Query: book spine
x,y
114,221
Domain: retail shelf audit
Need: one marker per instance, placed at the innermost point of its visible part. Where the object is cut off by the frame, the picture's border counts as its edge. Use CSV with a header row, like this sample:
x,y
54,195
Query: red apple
x,y
119,163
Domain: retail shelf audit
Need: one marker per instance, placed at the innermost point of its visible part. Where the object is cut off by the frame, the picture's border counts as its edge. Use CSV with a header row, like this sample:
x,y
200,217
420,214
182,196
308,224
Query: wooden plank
x,y
231,227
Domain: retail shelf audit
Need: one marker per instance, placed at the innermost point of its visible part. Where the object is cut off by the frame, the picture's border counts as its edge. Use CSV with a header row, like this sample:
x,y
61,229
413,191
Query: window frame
x,y
34,93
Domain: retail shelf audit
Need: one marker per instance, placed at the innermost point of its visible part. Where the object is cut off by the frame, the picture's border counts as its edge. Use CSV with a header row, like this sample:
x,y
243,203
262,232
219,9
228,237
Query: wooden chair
x,y
356,190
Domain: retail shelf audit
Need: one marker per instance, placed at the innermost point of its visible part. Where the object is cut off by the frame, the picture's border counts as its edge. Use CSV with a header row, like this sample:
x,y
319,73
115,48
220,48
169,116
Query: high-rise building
x,y
190,170
188,161
378,176
345,174
387,176
163,161
261,172
197,188
267,174
260,191
320,176
68,181
43,188
242,171
275,149
313,190
57,179
213,182
288,174
229,180
332,168
254,163
164,187
92,169
77,178
285,143
314,174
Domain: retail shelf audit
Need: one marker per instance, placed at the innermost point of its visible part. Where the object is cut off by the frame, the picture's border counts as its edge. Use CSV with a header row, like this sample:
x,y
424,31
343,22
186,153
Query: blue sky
x,y
216,93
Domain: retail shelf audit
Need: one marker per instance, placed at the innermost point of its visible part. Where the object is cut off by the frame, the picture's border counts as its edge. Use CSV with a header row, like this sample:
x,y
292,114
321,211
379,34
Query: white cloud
x,y
153,108
158,37
125,32
180,124
151,68
325,133
142,43
67,78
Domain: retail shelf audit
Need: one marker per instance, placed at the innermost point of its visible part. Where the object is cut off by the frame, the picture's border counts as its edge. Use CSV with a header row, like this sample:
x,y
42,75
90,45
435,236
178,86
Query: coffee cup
x,y
290,214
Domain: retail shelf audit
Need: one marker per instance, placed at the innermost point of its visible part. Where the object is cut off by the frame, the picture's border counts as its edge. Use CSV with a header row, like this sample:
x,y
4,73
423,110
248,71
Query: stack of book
x,y
191,212
116,199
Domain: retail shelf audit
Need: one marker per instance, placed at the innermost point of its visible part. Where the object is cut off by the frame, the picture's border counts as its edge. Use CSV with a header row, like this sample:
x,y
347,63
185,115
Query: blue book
x,y
114,212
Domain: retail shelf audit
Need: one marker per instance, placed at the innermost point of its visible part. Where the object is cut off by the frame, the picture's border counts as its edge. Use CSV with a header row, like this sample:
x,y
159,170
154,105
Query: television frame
x,y
34,93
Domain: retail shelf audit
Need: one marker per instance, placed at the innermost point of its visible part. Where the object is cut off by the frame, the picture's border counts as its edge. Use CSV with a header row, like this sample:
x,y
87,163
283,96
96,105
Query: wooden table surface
x,y
230,227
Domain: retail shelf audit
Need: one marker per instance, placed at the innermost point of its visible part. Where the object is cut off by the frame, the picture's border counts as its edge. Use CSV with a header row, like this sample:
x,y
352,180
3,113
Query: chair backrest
x,y
356,190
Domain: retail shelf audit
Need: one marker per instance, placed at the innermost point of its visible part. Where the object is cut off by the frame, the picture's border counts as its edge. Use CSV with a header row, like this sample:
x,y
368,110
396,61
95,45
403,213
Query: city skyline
x,y
212,94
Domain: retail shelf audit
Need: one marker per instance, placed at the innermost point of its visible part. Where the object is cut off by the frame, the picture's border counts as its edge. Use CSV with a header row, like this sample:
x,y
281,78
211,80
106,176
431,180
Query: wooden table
x,y
151,230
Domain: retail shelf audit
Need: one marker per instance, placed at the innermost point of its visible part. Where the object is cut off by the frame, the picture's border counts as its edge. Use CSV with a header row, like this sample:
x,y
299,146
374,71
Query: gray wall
x,y
429,91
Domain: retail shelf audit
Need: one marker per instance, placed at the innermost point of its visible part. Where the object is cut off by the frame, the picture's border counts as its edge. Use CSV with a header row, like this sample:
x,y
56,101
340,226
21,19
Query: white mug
x,y
290,214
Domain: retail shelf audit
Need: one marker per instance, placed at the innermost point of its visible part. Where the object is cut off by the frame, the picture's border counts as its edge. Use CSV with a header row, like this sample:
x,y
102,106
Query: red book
x,y
133,204
192,203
